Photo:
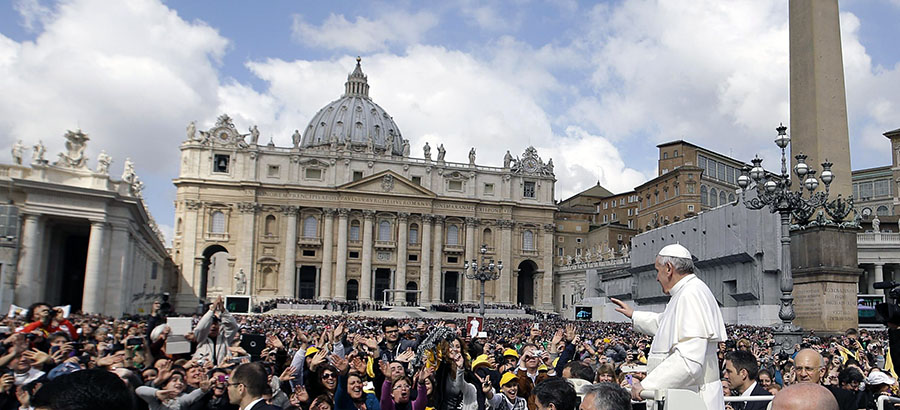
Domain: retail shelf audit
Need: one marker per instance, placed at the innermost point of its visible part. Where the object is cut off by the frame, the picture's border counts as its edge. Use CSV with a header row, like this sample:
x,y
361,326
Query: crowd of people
x,y
359,363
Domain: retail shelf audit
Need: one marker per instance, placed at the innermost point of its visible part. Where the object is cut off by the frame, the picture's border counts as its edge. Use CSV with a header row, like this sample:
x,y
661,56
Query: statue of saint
x,y
17,149
507,159
405,148
370,144
389,144
128,173
241,281
472,156
296,138
427,151
191,131
550,166
441,153
876,224
254,135
37,156
103,161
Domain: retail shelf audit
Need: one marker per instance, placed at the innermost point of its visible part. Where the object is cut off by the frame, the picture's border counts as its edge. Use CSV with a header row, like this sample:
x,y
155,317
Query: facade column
x,y
425,262
468,293
879,275
340,278
505,281
327,254
289,267
437,259
30,281
191,234
547,286
402,241
94,279
248,242
118,286
365,283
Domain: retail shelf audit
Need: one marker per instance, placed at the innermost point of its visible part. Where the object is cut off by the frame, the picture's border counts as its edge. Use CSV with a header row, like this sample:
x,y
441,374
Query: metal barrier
x,y
886,399
678,399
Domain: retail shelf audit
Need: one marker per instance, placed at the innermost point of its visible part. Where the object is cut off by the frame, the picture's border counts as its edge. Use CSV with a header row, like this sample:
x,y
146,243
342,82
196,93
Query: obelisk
x,y
818,99
823,258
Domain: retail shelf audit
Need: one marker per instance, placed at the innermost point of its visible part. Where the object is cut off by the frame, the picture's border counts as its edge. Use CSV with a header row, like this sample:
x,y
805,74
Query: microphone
x,y
885,285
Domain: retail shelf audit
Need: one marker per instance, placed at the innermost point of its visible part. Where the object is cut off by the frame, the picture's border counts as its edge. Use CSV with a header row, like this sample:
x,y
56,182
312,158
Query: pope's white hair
x,y
683,266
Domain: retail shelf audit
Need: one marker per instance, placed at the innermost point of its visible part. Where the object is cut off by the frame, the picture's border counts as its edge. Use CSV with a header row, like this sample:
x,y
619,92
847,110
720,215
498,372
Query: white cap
x,y
879,378
676,251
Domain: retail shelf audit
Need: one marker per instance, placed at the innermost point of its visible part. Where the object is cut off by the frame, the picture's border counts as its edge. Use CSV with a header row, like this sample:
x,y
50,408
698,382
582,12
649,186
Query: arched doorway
x,y
412,298
352,289
525,283
306,282
382,282
451,283
214,269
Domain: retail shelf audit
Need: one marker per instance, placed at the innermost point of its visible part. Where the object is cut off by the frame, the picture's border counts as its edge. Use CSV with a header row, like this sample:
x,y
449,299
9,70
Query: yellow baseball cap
x,y
508,377
311,351
481,360
511,352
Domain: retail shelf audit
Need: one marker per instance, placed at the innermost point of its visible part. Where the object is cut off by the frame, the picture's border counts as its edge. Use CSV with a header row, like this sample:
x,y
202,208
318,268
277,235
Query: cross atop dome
x,y
357,82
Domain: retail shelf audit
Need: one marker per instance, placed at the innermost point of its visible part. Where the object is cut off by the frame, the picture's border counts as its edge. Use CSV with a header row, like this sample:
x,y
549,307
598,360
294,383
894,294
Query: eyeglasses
x,y
234,384
401,387
328,376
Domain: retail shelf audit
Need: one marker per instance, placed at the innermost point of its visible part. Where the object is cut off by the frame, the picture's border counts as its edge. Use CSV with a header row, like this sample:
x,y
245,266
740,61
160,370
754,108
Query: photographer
x,y
47,320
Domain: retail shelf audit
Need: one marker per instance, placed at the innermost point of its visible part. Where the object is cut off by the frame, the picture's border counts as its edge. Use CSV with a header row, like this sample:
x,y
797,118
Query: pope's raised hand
x,y
623,307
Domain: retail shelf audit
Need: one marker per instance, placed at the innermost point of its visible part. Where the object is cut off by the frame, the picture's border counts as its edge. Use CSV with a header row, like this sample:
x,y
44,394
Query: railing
x,y
622,260
882,400
304,241
384,244
678,399
873,238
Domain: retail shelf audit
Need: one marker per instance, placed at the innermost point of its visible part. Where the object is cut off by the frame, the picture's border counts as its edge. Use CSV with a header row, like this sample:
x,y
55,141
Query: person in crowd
x,y
393,345
172,394
605,396
686,334
508,397
247,385
847,391
46,320
212,342
556,392
741,370
349,394
217,397
804,396
528,373
84,390
809,366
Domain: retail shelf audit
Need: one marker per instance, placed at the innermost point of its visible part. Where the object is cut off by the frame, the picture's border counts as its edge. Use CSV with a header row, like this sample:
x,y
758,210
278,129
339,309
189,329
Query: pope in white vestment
x,y
685,335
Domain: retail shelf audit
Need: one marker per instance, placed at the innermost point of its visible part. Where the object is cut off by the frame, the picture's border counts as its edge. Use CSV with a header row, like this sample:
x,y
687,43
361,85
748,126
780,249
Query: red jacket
x,y
64,326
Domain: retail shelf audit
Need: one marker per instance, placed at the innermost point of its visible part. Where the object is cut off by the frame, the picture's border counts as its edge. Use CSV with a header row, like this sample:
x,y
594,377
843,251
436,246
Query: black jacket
x,y
758,390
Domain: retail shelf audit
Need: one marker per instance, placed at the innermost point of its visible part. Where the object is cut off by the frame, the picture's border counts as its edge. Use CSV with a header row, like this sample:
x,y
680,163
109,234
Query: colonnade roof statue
x,y
354,121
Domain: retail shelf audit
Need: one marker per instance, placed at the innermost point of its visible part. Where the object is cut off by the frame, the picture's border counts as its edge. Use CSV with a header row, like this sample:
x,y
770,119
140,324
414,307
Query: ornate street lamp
x,y
775,192
483,273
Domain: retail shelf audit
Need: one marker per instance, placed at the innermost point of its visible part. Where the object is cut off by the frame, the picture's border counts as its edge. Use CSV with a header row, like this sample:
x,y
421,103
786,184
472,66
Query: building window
x,y
713,197
579,240
723,199
721,169
882,211
273,171
702,163
577,251
487,237
270,225
417,180
452,259
605,218
153,271
413,257
217,222
528,240
384,231
528,191
619,237
313,173
665,155
357,175
413,234
354,255
605,205
613,217
675,154
622,201
559,251
456,186
883,188
704,195
690,188
731,198
631,223
690,208
676,190
220,163
309,252
354,230
630,212
310,227
489,189
453,235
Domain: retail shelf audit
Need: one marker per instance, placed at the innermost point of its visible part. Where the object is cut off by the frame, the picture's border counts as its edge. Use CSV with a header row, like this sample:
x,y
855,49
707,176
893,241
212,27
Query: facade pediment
x,y
313,163
387,182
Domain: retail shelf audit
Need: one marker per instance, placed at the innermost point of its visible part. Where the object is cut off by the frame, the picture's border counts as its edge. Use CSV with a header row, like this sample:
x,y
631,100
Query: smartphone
x,y
134,341
54,349
239,359
536,326
629,379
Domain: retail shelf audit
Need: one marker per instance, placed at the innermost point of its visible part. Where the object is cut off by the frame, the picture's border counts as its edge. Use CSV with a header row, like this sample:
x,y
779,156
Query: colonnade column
x,y
340,278
365,283
425,258
879,275
505,281
94,280
468,293
30,281
289,267
119,277
437,274
402,239
327,254
547,287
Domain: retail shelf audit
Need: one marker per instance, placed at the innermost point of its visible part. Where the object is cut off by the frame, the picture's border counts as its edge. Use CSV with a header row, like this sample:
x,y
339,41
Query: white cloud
x,y
130,74
365,35
34,14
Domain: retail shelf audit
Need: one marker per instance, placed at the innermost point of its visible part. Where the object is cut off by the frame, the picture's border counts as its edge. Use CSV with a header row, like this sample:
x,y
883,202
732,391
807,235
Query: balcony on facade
x,y
385,245
309,242
877,239
454,248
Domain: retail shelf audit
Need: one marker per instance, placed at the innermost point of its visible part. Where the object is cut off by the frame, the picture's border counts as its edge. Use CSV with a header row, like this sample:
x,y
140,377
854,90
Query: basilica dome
x,y
355,119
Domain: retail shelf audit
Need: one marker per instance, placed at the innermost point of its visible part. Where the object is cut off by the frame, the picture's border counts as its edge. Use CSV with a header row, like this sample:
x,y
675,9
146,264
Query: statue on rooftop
x,y
427,151
507,159
441,153
254,135
37,156
472,156
17,150
191,131
103,161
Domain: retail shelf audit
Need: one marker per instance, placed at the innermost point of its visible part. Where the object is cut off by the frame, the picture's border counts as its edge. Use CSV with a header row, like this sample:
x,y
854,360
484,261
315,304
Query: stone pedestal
x,y
826,277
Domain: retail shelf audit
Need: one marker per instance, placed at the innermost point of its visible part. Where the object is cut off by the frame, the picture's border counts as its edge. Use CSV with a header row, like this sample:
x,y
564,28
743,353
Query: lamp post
x,y
775,192
483,273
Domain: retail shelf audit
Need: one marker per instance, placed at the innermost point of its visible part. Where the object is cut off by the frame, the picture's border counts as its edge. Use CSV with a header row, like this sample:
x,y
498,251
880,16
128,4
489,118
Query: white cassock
x,y
685,342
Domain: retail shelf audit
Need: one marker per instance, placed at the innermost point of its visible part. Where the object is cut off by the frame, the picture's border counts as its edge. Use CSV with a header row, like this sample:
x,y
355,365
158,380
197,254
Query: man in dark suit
x,y
741,368
246,386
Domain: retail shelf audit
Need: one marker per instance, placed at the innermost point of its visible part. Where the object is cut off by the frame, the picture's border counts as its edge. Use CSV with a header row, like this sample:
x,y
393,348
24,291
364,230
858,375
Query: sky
x,y
593,85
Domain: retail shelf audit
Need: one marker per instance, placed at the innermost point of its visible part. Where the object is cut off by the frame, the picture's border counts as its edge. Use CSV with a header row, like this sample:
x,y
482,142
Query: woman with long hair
x,y
172,395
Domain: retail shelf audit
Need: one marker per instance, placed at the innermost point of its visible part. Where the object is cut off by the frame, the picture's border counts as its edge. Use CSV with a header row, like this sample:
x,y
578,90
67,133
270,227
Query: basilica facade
x,y
347,213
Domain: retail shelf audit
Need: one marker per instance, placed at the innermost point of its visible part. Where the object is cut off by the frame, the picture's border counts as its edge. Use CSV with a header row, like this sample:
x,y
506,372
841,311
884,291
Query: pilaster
x,y
505,281
327,254
365,283
547,286
437,259
425,278
340,279
402,242
468,288
288,280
